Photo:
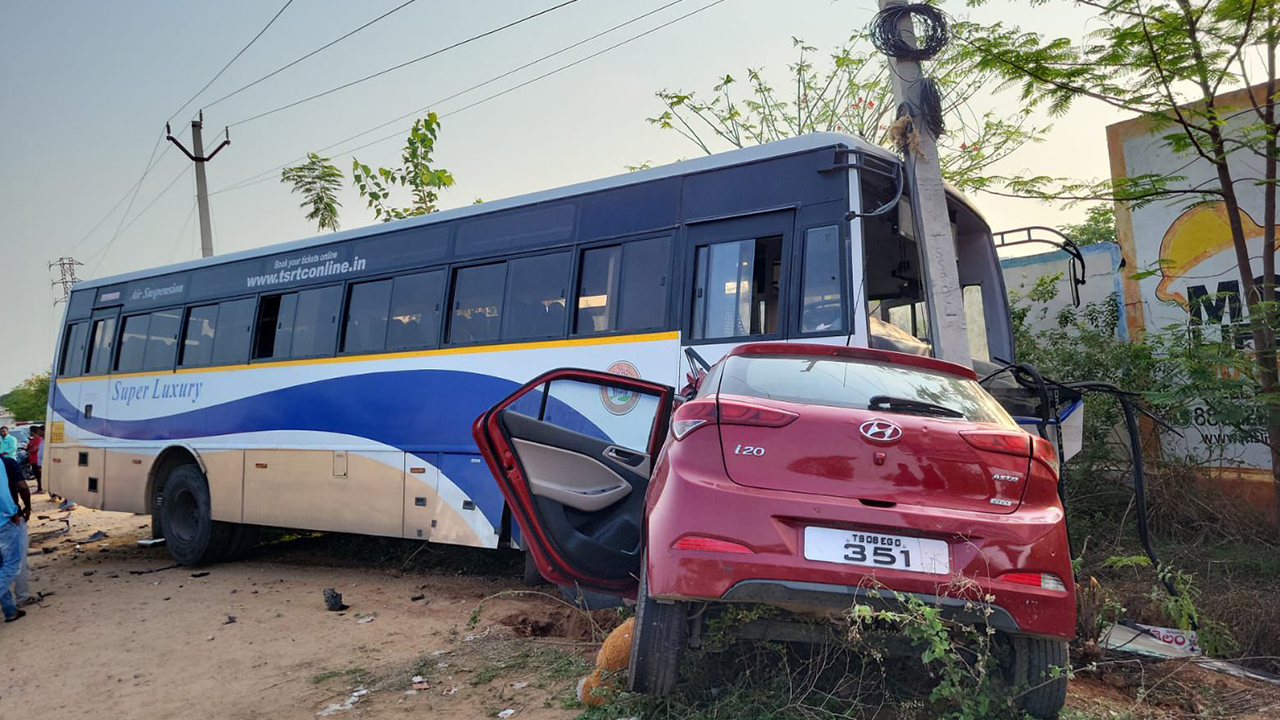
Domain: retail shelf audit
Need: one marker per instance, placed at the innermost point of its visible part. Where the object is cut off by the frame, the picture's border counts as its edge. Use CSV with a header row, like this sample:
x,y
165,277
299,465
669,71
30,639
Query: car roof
x,y
854,353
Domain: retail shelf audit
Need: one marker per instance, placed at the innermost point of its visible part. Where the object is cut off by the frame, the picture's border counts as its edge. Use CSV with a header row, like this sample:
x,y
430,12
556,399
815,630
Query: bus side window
x,y
477,303
233,333
598,277
821,309
162,339
415,310
133,343
365,328
73,350
736,288
197,340
104,335
315,324
535,303
623,287
274,336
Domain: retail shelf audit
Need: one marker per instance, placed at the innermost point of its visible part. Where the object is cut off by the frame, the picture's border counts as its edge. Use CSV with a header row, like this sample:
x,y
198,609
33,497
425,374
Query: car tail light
x,y
699,542
1006,443
1040,580
697,413
736,412
691,416
1044,452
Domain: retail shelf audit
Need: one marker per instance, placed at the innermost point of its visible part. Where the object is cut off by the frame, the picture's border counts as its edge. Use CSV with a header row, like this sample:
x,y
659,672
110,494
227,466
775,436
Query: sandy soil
x,y
110,642
125,634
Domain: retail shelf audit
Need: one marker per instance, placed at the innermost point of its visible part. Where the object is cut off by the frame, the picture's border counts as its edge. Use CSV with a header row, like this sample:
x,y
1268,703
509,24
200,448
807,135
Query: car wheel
x,y
192,536
657,642
1031,671
532,576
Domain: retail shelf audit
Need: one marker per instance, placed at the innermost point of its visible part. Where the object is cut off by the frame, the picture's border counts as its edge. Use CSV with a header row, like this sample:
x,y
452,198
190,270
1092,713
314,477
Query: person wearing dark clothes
x,y
34,446
13,532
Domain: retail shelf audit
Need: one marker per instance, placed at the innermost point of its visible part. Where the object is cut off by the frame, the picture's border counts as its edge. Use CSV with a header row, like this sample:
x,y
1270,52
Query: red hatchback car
x,y
806,476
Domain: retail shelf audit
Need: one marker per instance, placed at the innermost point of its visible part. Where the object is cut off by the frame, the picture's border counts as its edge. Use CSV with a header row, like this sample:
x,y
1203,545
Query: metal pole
x,y
941,276
202,188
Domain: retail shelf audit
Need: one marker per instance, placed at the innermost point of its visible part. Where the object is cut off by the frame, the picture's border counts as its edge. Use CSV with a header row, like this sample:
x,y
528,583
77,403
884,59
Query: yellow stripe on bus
x,y
466,350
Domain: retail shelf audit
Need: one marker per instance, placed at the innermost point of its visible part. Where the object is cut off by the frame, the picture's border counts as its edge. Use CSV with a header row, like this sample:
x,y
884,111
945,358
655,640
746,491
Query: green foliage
x,y
1127,561
1099,226
29,400
415,173
317,181
1180,610
852,92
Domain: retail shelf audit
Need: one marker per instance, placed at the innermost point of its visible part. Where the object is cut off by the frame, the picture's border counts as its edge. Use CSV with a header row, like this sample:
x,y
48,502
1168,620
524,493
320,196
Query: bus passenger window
x,y
73,350
821,310
415,310
274,336
104,336
133,343
365,330
736,292
197,340
477,303
234,331
644,284
162,339
598,290
536,300
315,324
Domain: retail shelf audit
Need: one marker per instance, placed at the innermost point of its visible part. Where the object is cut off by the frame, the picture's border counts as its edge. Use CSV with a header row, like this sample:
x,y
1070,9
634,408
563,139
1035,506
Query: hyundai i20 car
x,y
809,477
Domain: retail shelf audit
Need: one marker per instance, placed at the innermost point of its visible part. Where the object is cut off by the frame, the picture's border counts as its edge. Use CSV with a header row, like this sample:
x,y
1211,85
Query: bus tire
x,y
244,539
657,642
191,534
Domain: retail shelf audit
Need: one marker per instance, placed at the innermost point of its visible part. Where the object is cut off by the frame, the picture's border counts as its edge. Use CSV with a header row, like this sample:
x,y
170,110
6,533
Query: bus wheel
x,y
244,538
192,536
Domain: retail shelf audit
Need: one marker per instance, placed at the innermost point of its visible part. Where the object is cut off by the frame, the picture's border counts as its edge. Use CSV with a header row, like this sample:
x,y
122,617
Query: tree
x,y
29,399
317,181
852,94
415,172
1099,226
1168,61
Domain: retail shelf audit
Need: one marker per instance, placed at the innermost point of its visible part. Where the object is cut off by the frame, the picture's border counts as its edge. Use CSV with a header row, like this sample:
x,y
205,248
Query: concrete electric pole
x,y
198,157
941,276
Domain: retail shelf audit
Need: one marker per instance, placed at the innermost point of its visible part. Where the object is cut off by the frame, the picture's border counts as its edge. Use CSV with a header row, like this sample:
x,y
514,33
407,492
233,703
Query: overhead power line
x,y
152,160
105,250
317,51
233,59
407,63
269,174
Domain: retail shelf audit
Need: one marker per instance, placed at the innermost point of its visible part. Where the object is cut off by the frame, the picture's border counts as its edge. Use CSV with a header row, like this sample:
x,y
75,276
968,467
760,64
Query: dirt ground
x,y
121,632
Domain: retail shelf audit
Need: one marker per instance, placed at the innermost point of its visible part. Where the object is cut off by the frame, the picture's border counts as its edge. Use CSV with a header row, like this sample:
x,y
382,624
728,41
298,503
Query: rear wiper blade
x,y
908,405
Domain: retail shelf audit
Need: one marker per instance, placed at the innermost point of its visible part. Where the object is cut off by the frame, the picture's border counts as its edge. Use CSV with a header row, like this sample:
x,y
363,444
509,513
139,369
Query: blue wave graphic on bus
x,y
415,411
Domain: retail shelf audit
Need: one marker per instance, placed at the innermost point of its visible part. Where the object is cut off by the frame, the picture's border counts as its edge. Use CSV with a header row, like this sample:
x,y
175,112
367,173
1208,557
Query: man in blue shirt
x,y
8,443
12,528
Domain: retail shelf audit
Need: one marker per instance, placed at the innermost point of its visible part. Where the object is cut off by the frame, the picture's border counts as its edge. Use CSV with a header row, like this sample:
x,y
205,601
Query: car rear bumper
x,y
771,523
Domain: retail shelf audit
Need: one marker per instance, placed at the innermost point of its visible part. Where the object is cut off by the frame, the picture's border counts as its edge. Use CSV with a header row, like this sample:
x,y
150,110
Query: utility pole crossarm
x,y
197,156
941,274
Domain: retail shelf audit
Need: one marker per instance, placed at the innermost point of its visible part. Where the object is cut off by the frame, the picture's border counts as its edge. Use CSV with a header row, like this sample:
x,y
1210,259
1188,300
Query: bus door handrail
x,y
1075,268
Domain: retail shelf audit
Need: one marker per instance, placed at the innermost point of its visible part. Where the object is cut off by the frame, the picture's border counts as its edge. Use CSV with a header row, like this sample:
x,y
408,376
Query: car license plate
x,y
857,547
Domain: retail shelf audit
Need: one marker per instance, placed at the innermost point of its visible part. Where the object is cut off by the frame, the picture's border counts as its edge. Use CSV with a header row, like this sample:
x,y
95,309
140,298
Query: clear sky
x,y
88,86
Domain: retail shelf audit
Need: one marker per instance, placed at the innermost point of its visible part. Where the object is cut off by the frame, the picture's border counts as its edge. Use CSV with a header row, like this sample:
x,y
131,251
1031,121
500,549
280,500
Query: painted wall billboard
x,y
1194,277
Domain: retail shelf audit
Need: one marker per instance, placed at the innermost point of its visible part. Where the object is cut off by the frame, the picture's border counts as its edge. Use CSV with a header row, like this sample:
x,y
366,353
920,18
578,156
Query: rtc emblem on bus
x,y
617,400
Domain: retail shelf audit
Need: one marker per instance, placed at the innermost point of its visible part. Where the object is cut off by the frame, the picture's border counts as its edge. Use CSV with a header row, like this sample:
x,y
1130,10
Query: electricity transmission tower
x,y
67,271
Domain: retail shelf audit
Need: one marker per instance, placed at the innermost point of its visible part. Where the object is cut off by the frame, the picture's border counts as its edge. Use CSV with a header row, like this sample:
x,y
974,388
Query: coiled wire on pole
x,y
931,31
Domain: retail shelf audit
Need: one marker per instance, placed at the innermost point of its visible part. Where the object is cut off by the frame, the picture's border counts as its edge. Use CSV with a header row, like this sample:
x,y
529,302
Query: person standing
x,y
21,494
8,444
12,528
34,445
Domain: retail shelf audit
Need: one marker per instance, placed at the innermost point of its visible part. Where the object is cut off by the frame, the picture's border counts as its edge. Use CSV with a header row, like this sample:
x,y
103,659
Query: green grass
x,y
351,675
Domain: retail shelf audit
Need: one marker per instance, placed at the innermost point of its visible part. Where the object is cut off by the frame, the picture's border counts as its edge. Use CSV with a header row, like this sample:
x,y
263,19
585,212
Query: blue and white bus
x,y
330,384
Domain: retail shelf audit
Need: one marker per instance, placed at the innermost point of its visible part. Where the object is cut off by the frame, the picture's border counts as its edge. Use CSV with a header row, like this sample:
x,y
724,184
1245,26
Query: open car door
x,y
572,452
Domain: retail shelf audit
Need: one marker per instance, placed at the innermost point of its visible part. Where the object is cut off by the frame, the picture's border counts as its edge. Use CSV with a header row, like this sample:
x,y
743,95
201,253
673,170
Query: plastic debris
x,y
417,597
449,691
333,600
519,685
150,542
506,713
231,620
347,704
365,619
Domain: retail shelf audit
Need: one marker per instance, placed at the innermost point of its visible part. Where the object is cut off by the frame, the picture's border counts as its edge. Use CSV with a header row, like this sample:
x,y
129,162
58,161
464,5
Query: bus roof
x,y
780,148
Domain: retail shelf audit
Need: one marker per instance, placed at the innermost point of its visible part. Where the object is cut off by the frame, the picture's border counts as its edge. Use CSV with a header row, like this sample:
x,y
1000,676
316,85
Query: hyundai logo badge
x,y
880,431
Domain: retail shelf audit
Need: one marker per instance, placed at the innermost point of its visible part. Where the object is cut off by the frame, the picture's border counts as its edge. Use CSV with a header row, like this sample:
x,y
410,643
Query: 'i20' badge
x,y
617,400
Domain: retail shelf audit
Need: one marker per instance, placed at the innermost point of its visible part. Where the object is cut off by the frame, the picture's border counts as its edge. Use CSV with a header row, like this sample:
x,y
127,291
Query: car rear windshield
x,y
852,383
